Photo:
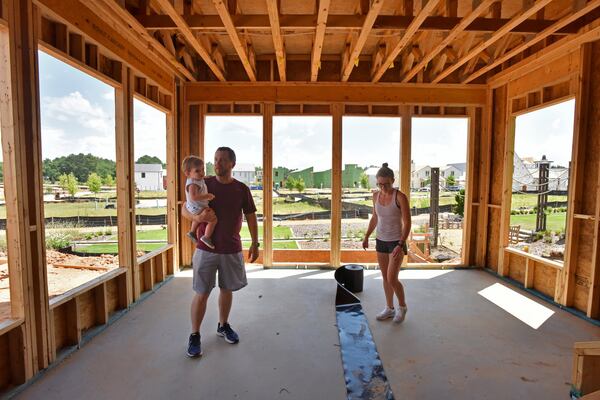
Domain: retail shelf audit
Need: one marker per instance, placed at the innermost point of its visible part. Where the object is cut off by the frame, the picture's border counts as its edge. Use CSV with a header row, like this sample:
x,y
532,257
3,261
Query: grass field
x,y
554,221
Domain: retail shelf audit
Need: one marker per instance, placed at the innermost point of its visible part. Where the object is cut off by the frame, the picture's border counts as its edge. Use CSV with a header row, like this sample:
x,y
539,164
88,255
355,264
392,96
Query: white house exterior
x,y
526,176
418,175
149,176
244,172
450,170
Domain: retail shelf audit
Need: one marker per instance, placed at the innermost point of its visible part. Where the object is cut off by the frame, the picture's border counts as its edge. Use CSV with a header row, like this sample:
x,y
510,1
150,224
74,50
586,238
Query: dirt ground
x,y
60,279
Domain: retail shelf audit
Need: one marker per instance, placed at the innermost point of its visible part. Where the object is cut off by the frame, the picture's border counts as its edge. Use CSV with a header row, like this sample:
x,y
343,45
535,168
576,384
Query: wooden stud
x,y
268,111
337,110
515,21
362,38
509,152
73,323
590,6
125,182
410,32
472,136
241,50
273,11
17,355
458,29
315,63
101,301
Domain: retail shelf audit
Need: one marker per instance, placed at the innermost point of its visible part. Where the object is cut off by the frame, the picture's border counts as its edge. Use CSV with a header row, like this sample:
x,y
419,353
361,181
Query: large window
x,y
302,182
543,141
150,175
79,171
243,134
368,142
438,182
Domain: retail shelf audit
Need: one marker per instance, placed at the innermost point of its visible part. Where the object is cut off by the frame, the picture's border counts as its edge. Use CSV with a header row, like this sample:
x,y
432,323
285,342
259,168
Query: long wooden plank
x,y
185,30
268,111
360,93
458,29
410,32
80,18
589,33
337,23
112,10
336,185
405,154
315,60
472,158
277,38
240,48
173,173
515,21
592,5
362,38
484,180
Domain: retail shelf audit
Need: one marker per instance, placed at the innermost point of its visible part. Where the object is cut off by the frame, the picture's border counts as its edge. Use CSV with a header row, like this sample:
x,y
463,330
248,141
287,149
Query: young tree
x,y
299,186
109,180
459,207
450,181
94,183
290,183
364,181
68,183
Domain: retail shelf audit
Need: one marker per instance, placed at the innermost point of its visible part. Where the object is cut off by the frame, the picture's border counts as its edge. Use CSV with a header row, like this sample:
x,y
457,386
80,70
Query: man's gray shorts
x,y
232,273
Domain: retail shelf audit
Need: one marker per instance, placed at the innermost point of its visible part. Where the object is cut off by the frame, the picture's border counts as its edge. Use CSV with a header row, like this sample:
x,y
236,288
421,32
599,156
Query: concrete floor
x,y
455,344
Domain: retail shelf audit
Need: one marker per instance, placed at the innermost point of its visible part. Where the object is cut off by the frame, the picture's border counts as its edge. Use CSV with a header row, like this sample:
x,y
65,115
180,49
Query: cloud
x,y
74,107
149,131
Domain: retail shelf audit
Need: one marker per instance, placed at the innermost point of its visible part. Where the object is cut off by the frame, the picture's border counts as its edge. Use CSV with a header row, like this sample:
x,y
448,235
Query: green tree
x,y
299,185
210,169
94,183
146,159
450,181
290,183
459,207
80,165
364,181
69,183
108,181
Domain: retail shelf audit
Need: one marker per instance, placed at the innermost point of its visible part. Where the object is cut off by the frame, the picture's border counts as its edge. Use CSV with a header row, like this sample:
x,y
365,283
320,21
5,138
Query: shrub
x,y
57,240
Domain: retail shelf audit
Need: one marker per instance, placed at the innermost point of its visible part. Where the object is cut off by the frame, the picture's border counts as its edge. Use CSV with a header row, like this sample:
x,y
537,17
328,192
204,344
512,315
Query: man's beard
x,y
222,173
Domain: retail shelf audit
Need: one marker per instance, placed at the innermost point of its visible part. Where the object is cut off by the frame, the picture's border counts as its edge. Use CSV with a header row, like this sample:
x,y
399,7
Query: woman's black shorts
x,y
388,247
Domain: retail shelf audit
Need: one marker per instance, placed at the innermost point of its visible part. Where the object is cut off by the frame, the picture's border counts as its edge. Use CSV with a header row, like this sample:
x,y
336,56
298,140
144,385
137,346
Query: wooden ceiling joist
x,y
406,38
185,30
515,21
277,38
592,5
362,39
315,60
347,22
112,11
240,48
477,11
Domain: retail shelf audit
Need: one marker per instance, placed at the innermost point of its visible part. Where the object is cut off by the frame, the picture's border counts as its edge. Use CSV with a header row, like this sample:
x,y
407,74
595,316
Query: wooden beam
x,y
589,33
110,10
268,111
337,111
240,48
174,130
111,36
465,22
515,21
344,23
277,38
362,39
411,30
592,5
315,62
185,30
360,93
507,179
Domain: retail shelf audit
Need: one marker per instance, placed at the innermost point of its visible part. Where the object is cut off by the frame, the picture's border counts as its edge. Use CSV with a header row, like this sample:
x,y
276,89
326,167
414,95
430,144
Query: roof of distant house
x,y
148,167
244,167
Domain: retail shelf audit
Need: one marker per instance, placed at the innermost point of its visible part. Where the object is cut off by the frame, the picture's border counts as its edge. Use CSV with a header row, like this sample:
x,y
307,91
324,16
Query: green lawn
x,y
87,209
281,207
530,200
554,221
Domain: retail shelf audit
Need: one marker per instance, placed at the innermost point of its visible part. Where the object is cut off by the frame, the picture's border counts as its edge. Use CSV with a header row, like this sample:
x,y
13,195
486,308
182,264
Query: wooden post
x,y
484,180
472,157
173,172
126,184
267,182
337,110
434,204
405,155
19,106
507,179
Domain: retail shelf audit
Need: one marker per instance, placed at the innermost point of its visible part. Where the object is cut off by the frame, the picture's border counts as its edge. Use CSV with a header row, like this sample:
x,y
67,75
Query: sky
x,y
77,113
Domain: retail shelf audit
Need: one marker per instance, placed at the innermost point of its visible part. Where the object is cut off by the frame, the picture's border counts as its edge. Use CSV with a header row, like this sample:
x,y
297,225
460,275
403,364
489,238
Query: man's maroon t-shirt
x,y
230,201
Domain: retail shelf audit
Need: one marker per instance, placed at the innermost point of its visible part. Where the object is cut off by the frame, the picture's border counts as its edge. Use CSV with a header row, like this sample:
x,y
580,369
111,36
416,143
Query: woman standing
x,y
391,216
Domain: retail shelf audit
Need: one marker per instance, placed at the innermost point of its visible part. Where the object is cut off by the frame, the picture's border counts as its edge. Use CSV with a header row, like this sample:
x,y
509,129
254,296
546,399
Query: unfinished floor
x,y
455,344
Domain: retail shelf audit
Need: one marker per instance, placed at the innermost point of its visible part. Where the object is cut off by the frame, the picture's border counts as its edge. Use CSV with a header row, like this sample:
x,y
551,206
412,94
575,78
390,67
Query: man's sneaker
x,y
400,314
385,314
207,242
194,349
192,236
227,333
